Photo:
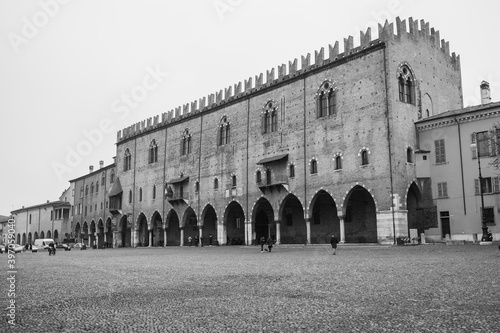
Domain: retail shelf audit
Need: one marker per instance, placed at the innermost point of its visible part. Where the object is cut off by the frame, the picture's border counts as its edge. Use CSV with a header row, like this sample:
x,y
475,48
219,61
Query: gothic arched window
x,y
127,160
224,132
406,84
153,152
326,99
186,143
270,117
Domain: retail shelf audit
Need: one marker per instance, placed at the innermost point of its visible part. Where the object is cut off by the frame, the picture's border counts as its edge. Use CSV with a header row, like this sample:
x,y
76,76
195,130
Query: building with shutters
x,y
455,144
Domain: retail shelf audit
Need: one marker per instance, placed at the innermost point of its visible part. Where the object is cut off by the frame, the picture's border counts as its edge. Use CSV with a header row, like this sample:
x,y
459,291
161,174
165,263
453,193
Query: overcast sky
x,y
66,67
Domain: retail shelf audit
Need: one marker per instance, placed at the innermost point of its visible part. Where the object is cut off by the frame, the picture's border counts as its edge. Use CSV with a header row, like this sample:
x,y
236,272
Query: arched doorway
x,y
234,224
19,239
360,217
109,234
157,230
24,239
143,231
210,224
173,230
324,219
78,233
190,225
85,238
56,236
92,234
125,231
100,235
263,220
415,213
49,235
30,241
293,228
42,235
35,236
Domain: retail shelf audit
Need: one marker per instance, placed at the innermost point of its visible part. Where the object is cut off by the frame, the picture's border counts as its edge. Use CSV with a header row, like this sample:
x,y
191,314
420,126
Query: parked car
x,y
63,246
16,248
80,246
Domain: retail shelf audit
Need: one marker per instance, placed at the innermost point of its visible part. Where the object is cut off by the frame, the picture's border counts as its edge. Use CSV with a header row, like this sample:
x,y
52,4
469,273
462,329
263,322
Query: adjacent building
x,y
457,144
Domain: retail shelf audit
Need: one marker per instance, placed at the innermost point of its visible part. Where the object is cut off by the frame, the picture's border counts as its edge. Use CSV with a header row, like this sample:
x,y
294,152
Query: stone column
x,y
200,234
164,237
135,238
308,231
105,239
182,236
150,232
249,235
342,229
278,232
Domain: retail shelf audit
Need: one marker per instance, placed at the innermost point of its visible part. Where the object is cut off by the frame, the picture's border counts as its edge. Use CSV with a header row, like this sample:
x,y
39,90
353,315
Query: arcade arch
x,y
360,219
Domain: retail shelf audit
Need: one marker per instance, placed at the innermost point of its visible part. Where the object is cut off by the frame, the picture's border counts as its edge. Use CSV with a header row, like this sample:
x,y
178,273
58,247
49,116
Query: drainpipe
x,y
389,144
461,164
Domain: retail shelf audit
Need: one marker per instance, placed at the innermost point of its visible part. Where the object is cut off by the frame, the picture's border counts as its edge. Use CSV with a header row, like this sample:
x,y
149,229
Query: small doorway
x,y
445,224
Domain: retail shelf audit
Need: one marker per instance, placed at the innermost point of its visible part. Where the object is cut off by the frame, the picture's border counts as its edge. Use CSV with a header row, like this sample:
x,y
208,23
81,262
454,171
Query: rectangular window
x,y
440,151
487,185
442,190
489,215
483,143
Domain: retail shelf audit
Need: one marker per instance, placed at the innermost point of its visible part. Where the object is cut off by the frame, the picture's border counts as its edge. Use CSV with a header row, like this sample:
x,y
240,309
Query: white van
x,y
43,243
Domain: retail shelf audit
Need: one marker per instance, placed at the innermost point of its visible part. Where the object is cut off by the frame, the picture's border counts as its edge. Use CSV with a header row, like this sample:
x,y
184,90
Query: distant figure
x,y
201,240
52,249
262,243
210,239
190,241
334,241
196,240
270,243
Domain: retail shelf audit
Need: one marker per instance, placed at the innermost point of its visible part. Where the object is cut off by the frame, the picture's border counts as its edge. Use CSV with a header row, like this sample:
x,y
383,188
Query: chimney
x,y
485,92
91,169
101,164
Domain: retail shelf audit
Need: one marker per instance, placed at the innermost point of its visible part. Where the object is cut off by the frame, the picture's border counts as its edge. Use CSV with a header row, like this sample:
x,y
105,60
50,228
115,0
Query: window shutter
x,y
476,186
496,184
473,140
228,133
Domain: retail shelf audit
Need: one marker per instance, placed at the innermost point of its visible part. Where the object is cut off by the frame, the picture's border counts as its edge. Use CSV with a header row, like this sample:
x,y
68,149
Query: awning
x,y
272,159
178,180
116,188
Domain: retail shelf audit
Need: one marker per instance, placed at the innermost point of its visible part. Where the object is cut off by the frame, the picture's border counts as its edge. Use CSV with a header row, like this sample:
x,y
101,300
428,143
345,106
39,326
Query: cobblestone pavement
x,y
426,288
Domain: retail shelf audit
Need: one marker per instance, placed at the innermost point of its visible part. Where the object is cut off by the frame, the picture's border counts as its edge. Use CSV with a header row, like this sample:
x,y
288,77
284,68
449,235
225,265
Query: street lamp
x,y
475,145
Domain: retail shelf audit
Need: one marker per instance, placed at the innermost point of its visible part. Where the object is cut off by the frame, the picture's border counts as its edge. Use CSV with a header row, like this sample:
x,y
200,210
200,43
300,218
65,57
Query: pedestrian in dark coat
x,y
210,239
201,240
190,240
334,241
262,243
196,240
270,243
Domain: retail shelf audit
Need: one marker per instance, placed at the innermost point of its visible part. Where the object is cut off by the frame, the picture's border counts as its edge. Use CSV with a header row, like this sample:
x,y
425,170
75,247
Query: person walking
x,y
262,243
270,243
334,241
190,241
196,240
210,239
